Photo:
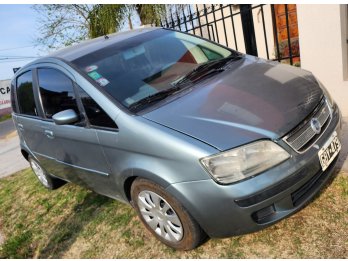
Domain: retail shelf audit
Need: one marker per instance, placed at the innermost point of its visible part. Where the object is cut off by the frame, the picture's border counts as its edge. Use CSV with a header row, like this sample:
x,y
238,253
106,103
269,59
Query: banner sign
x,y
5,96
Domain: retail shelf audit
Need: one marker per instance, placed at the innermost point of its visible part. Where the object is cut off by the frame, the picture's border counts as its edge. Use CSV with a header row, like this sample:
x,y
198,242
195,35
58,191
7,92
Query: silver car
x,y
201,140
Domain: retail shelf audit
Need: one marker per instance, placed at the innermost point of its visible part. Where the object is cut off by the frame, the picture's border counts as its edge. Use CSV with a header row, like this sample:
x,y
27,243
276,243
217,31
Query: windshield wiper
x,y
154,97
206,69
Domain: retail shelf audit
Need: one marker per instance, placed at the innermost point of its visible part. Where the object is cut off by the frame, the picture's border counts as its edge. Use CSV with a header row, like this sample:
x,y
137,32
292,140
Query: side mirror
x,y
65,117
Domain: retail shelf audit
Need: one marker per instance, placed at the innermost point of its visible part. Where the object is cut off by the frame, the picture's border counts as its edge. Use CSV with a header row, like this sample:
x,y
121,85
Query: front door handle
x,y
49,134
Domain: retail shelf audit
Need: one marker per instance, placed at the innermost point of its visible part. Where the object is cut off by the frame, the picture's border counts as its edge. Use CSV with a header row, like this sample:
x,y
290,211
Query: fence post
x,y
246,15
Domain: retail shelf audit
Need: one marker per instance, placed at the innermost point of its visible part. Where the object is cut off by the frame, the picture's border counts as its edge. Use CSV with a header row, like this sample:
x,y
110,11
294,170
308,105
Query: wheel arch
x,y
141,173
25,154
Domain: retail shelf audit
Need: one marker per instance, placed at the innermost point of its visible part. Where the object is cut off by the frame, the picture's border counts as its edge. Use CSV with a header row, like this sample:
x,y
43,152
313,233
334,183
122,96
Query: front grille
x,y
304,136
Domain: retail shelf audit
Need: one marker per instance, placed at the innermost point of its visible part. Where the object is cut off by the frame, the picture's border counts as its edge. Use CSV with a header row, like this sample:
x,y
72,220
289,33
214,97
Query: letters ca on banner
x,y
5,96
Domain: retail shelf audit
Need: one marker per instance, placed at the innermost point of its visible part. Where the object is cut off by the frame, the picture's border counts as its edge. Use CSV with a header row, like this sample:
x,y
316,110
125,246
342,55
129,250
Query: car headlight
x,y
326,93
243,162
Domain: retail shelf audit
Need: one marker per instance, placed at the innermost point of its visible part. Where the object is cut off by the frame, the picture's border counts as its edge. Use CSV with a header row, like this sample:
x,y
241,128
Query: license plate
x,y
329,151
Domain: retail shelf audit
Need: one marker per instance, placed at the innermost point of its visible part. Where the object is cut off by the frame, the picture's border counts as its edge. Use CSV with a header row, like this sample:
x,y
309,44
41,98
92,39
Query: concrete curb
x,y
342,163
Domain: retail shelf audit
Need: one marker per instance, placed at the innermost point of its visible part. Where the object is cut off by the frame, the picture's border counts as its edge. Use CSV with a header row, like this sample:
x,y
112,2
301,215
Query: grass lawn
x,y
5,117
73,222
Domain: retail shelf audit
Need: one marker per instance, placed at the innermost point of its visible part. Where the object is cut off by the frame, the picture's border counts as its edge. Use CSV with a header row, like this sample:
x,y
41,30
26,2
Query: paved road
x,y
11,159
6,127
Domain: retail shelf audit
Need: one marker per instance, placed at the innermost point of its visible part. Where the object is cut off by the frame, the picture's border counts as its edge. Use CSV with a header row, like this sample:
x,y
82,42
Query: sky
x,y
18,30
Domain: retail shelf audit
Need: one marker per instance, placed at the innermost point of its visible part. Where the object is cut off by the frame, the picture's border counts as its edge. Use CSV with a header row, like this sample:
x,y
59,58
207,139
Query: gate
x,y
267,31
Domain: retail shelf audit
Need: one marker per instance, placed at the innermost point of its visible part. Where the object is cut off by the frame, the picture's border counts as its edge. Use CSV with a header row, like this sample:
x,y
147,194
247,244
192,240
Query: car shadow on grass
x,y
67,231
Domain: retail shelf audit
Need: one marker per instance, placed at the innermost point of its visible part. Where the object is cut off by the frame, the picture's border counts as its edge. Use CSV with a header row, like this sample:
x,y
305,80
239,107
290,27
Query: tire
x,y
45,179
164,216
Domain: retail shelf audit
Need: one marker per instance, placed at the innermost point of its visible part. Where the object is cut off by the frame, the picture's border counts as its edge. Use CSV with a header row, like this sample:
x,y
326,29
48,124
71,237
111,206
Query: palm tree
x,y
150,14
106,19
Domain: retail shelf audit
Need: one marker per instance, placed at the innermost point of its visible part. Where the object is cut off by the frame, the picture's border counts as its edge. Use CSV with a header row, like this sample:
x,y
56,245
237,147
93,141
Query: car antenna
x,y
106,37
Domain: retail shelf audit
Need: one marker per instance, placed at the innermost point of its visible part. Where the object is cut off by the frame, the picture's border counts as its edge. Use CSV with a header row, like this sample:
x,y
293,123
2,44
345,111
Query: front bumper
x,y
227,210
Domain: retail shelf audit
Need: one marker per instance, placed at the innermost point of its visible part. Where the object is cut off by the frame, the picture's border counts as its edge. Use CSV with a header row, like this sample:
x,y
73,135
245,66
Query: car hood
x,y
253,99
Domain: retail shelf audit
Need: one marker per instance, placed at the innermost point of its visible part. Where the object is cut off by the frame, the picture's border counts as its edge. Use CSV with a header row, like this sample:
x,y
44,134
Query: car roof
x,y
76,51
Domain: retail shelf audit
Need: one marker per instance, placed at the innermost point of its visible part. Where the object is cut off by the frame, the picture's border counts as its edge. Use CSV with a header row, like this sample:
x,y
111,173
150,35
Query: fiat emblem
x,y
315,125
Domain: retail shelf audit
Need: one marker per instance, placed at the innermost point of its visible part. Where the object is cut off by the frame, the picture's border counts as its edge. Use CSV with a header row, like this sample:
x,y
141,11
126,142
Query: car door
x,y
76,148
107,133
29,123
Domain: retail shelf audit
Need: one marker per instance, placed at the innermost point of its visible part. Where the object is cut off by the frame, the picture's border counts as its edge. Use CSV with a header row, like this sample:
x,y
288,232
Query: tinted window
x,y
13,100
140,66
96,115
57,92
25,95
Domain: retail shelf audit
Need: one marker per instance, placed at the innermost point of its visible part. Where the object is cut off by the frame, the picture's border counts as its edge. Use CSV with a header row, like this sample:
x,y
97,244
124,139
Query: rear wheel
x,y
45,179
165,217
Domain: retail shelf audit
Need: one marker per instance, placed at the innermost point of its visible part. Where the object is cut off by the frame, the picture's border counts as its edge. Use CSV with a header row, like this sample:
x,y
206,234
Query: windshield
x,y
141,66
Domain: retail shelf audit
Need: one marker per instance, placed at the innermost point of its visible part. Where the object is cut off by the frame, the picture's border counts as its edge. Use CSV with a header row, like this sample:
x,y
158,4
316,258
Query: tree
x,y
106,19
150,14
63,25
153,14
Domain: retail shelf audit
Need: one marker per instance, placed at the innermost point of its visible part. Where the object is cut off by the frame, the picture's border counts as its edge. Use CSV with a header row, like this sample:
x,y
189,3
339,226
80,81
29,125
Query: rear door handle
x,y
20,127
49,134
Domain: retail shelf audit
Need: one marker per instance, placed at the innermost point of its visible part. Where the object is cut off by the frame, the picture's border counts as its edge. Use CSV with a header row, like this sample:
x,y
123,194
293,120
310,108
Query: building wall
x,y
323,45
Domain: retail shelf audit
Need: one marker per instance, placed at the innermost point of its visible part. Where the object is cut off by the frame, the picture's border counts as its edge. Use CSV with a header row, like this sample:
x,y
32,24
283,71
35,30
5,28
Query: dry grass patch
x,y
73,222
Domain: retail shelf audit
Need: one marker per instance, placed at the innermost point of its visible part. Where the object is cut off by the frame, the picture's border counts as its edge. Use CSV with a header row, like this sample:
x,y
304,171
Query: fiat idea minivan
x,y
201,140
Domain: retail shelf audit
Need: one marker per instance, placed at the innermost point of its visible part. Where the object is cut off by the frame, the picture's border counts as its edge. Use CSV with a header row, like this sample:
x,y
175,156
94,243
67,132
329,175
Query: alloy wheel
x,y
39,172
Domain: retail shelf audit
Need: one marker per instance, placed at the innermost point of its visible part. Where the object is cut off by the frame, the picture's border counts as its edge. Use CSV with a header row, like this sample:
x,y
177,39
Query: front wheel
x,y
165,217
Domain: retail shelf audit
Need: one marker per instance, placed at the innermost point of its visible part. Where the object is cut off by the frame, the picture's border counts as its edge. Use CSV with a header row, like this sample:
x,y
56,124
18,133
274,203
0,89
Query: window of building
x,y
57,92
25,95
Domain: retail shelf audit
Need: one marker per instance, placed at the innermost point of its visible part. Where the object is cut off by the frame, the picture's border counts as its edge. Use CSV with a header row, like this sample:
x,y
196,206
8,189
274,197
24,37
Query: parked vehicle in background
x,y
201,140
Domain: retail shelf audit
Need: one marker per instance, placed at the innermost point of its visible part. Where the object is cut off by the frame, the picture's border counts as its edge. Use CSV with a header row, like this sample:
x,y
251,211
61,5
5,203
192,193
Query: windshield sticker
x,y
94,75
91,68
102,81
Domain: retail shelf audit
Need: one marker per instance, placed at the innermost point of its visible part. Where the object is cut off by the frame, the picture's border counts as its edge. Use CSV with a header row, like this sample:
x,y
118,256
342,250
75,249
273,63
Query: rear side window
x,y
57,92
25,95
13,99
96,115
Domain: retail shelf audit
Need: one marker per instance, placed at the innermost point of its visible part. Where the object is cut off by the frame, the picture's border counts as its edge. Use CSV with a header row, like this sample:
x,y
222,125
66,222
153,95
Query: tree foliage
x,y
150,14
106,19
64,25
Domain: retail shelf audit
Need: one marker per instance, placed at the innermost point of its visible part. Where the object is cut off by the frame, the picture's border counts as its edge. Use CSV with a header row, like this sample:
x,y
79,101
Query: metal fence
x,y
234,26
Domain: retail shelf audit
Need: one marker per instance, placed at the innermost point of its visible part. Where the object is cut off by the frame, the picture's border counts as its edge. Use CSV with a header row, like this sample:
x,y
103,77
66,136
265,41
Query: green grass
x,y
73,222
5,117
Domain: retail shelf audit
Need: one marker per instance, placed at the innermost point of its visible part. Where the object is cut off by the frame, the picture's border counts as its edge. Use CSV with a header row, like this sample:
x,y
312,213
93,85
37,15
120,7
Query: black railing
x,y
220,22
